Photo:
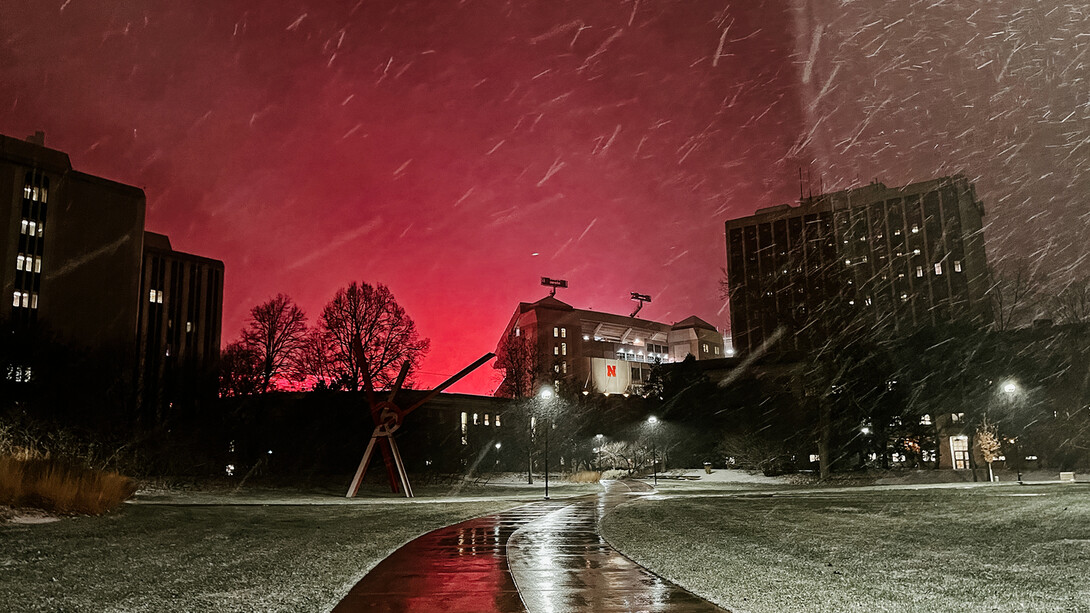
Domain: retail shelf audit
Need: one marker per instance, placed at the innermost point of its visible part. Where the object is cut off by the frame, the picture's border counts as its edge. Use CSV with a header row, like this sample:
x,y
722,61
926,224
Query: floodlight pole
x,y
641,298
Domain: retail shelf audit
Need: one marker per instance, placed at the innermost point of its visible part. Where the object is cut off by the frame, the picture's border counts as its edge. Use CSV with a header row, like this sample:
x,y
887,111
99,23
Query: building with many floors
x,y
78,265
550,341
886,258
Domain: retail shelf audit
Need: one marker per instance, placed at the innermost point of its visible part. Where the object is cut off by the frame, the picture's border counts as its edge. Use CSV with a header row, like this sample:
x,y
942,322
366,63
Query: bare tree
x,y
518,357
1072,304
388,335
240,371
1012,294
276,333
315,358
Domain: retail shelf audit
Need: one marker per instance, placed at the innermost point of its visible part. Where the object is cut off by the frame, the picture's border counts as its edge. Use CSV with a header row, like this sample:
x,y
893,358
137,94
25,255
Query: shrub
x,y
585,476
60,487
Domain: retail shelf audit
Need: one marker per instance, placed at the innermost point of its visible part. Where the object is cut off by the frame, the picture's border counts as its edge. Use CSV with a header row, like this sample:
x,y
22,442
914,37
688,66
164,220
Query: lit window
x,y
518,332
896,232
957,265
938,268
563,333
815,457
465,428
156,296
915,229
563,349
564,367
556,367
556,350
717,350
27,192
915,252
188,326
32,228
476,419
957,418
497,422
556,332
37,264
23,229
33,300
919,271
486,419
925,420
705,346
17,300
19,260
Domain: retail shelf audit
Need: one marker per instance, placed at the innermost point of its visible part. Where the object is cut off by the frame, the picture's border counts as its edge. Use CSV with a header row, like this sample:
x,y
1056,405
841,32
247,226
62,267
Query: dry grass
x,y
585,476
60,487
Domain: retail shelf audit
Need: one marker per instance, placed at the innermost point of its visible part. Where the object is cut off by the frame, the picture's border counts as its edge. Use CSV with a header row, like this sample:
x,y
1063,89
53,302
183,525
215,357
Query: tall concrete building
x,y
891,258
78,266
181,308
593,352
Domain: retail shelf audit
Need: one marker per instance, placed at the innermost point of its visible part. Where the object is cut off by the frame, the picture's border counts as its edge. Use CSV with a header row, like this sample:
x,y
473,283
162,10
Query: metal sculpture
x,y
388,418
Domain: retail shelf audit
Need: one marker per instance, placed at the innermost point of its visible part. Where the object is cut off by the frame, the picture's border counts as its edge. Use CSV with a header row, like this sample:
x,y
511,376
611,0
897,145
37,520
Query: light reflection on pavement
x,y
541,557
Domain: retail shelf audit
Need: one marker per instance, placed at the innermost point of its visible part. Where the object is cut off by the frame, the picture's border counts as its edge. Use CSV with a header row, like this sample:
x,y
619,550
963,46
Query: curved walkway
x,y
543,556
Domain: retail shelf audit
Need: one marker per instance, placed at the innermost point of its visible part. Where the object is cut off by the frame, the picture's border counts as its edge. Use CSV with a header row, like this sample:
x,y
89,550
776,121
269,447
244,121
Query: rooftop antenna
x,y
554,283
641,298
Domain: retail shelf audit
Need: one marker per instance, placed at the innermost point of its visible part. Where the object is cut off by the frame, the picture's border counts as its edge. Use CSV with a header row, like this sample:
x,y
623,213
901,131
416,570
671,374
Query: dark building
x,y
181,304
71,247
885,258
79,268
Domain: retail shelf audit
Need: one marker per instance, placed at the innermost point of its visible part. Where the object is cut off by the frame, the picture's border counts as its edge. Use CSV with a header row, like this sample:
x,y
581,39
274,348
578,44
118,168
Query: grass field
x,y
993,548
255,550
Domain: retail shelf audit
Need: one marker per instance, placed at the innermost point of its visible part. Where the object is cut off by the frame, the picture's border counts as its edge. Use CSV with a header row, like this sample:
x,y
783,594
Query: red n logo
x,y
611,371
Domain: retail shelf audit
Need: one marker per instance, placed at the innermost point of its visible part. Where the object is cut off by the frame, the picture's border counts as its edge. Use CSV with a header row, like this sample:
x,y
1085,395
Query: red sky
x,y
457,151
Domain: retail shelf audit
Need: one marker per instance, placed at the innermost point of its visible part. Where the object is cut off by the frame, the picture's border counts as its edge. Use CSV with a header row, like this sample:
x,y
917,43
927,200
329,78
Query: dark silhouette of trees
x,y
388,335
240,371
315,359
523,366
1071,305
1013,293
276,333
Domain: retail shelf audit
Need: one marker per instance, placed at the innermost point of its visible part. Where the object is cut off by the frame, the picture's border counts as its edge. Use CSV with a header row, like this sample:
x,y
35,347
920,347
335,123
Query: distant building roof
x,y
693,322
153,240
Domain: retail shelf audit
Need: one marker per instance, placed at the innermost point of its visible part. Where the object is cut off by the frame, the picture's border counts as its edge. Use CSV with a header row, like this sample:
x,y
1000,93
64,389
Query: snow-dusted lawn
x,y
256,550
956,549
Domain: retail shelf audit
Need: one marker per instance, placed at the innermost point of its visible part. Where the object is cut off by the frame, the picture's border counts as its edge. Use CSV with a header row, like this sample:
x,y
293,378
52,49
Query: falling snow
x,y
613,138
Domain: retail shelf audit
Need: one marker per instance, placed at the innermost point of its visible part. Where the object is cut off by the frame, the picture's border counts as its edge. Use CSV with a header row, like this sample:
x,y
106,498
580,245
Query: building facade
x,y
79,270
550,341
181,307
892,258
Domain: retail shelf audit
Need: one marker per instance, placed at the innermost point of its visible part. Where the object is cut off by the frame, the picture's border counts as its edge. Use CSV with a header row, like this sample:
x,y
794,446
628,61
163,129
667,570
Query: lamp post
x,y
547,394
653,421
1011,389
599,438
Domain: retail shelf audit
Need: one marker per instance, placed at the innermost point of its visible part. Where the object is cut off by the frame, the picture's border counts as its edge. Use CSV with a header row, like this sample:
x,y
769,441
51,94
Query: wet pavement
x,y
545,556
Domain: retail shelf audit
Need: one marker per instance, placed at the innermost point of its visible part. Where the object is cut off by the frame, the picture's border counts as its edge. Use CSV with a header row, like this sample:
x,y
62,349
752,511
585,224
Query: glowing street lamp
x,y
1010,387
653,422
547,394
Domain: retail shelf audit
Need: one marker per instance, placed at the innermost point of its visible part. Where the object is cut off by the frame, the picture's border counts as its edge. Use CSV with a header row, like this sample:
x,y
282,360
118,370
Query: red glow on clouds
x,y
455,152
